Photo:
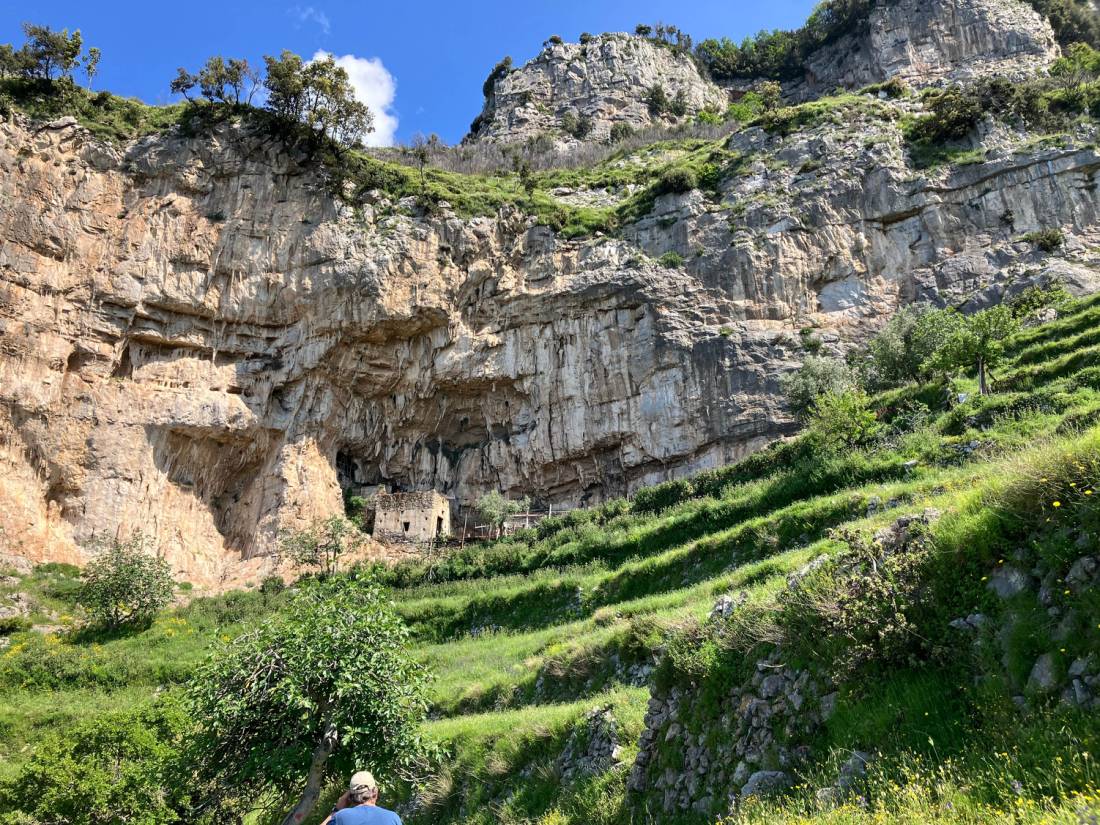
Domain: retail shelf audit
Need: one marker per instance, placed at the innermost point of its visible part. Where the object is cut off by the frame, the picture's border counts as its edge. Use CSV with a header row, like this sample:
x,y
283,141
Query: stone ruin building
x,y
422,516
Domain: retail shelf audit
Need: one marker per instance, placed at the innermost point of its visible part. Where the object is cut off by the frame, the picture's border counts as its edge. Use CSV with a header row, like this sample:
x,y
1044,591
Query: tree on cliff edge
x,y
326,688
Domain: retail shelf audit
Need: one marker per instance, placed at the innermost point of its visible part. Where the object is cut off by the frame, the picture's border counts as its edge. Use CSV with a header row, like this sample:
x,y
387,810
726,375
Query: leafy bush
x,y
121,767
894,88
579,126
13,624
816,377
864,605
746,109
621,132
125,585
671,260
675,181
1040,296
1048,240
952,115
678,106
842,420
656,100
272,585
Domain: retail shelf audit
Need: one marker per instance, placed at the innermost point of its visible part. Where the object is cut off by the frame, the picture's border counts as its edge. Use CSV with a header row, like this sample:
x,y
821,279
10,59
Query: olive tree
x,y
321,544
327,686
125,584
978,341
904,349
495,508
814,378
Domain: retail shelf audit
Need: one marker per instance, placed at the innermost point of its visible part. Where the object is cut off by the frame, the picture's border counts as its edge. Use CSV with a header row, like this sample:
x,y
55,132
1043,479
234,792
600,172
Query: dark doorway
x,y
438,525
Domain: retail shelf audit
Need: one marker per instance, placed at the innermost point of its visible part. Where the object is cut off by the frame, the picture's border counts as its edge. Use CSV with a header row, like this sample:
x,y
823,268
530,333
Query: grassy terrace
x,y
527,634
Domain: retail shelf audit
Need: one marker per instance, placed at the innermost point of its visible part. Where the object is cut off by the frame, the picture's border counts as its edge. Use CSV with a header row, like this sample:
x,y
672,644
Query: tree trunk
x,y
313,782
983,387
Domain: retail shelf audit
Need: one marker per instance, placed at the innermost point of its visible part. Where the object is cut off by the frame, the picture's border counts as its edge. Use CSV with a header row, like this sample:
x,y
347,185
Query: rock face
x,y
196,333
200,340
606,79
926,42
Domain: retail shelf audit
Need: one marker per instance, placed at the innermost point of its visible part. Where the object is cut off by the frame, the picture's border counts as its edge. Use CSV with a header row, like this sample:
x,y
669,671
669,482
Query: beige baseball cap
x,y
362,781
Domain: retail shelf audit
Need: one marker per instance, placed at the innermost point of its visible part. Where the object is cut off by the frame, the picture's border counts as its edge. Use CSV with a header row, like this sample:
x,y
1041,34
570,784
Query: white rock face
x,y
606,79
926,42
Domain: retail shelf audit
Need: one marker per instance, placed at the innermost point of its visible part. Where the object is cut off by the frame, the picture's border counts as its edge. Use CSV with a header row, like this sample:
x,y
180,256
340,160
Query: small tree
x,y
326,687
420,150
318,94
1078,66
979,342
816,377
771,95
621,132
48,52
125,585
842,420
183,83
656,100
499,71
495,509
903,350
91,64
679,104
642,30
321,545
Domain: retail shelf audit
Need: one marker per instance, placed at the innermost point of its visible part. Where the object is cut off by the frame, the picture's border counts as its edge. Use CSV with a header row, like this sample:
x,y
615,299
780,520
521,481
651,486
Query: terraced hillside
x,y
954,656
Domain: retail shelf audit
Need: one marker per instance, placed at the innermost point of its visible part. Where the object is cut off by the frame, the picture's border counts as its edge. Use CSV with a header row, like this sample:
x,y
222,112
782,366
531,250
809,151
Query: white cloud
x,y
310,14
374,86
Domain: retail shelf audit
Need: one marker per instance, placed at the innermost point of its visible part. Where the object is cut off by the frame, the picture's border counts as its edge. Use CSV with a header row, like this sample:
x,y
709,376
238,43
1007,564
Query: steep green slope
x,y
589,611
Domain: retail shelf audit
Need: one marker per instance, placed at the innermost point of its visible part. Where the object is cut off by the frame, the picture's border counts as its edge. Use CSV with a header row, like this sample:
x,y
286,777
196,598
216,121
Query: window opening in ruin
x,y
405,525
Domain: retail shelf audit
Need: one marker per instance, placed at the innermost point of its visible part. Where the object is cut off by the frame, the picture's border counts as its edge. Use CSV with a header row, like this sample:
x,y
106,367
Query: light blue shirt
x,y
365,815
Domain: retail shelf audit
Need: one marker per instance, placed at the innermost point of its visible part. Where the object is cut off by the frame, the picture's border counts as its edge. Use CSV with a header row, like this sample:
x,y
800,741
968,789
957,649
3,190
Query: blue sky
x,y
428,58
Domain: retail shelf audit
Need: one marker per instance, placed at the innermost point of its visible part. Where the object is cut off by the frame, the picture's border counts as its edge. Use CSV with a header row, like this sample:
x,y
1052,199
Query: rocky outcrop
x,y
605,79
927,42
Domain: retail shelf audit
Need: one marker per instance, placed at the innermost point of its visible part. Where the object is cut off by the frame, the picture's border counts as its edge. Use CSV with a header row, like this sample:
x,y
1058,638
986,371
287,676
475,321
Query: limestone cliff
x,y
200,339
606,79
927,42
196,334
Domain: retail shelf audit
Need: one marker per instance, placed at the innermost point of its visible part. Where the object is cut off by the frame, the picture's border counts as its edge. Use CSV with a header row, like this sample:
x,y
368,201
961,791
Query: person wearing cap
x,y
359,804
